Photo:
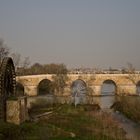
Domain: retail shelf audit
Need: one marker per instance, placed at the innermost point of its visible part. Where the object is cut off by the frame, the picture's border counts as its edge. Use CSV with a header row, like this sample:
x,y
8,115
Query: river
x,y
131,128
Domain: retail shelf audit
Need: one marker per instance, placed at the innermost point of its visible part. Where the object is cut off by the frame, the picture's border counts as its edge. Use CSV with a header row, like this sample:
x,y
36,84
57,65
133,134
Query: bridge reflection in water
x,y
108,92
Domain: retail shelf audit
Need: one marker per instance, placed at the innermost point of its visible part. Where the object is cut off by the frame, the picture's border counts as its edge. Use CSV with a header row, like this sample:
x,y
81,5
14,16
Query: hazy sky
x,y
88,33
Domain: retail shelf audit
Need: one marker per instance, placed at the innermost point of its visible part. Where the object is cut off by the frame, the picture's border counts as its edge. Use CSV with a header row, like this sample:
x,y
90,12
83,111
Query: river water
x,y
131,128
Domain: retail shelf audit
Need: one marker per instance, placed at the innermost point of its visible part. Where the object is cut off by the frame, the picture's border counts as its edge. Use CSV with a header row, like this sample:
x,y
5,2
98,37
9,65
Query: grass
x,y
70,123
40,106
66,123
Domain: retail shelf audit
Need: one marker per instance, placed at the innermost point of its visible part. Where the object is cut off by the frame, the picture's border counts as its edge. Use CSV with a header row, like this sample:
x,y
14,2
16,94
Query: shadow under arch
x,y
108,88
45,87
138,88
19,89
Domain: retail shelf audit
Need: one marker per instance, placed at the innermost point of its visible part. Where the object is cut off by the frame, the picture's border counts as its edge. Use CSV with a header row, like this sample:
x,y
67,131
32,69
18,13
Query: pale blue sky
x,y
88,33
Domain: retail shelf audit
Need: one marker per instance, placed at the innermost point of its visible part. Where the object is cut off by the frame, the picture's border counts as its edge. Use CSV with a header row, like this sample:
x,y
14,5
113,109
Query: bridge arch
x,y
108,87
45,87
19,89
78,91
78,86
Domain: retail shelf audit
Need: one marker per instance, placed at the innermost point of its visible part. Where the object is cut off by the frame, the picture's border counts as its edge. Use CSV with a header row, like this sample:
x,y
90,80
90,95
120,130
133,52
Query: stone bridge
x,y
124,83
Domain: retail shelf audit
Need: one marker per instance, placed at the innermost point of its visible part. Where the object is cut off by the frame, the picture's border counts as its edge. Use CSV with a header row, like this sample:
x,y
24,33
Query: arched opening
x,y
45,87
108,88
78,87
138,88
108,92
19,89
78,91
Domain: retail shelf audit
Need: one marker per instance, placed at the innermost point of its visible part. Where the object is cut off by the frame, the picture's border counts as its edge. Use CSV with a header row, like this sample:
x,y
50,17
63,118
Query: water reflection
x,y
106,101
108,91
131,128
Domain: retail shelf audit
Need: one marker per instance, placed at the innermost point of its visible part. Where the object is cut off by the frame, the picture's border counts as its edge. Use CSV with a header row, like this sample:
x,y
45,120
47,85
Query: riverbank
x,y
129,106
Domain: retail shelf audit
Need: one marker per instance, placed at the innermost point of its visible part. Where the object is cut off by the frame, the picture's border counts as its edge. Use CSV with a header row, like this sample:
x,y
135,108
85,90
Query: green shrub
x,y
130,106
9,131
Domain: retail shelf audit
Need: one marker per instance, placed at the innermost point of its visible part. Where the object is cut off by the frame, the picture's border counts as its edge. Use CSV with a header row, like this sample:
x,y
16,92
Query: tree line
x,y
38,68
23,65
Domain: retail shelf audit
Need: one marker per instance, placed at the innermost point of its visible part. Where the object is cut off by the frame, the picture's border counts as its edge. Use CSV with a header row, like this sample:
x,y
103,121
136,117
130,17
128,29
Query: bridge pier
x,y
30,90
67,91
97,90
126,89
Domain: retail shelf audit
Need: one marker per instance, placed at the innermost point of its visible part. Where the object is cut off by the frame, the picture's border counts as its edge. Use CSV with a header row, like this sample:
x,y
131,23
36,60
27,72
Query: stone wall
x,y
16,110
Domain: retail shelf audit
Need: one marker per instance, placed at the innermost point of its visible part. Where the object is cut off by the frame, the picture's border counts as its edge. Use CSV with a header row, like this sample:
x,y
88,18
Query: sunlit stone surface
x,y
16,110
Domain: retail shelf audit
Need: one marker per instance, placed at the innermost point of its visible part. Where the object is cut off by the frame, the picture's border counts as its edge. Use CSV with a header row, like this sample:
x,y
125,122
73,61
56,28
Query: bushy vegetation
x,y
130,106
8,131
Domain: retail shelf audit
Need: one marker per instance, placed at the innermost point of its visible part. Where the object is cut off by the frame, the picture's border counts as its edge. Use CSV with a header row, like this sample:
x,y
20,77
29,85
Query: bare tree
x,y
60,79
132,75
16,59
4,50
24,69
90,88
26,62
130,68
